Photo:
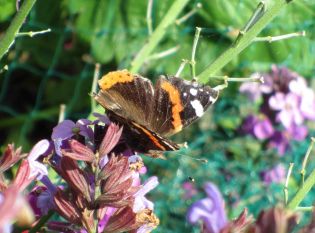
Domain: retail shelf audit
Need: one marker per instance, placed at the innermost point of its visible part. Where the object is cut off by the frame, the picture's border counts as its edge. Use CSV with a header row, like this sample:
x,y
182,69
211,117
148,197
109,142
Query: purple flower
x,y
67,129
209,210
141,202
260,127
41,201
274,175
101,118
38,169
281,140
109,211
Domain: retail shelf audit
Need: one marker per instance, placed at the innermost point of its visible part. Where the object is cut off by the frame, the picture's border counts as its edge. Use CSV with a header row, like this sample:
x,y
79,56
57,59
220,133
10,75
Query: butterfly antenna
x,y
201,160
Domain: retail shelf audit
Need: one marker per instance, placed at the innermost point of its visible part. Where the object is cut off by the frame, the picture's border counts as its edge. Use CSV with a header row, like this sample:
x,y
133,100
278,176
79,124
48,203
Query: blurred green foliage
x,y
48,70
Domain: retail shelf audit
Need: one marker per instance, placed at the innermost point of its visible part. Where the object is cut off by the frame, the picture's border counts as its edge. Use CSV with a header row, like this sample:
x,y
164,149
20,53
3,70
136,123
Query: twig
x,y
62,113
257,79
252,31
227,79
181,67
8,39
271,39
193,52
164,53
149,16
189,14
158,34
305,208
31,33
286,184
94,85
305,160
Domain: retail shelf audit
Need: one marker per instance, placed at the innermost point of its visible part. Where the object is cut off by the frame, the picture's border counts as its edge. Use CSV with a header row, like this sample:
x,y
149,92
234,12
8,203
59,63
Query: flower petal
x,y
150,184
277,101
263,129
63,130
40,148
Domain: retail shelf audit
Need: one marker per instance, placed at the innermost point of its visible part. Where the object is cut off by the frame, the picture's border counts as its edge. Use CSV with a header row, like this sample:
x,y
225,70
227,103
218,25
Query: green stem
x,y
9,37
303,191
158,34
243,41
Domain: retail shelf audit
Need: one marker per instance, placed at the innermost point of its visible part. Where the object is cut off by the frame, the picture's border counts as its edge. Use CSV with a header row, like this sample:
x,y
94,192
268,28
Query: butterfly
x,y
151,113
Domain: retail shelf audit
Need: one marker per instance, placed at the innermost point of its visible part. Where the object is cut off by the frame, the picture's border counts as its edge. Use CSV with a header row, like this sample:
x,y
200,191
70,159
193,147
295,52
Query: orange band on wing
x,y
149,134
177,106
112,78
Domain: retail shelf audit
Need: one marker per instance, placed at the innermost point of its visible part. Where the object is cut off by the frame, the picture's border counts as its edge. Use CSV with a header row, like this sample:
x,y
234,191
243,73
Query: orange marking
x,y
149,134
112,78
177,106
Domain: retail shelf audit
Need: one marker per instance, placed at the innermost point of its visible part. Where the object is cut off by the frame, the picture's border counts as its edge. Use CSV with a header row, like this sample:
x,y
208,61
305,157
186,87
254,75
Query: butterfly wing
x,y
129,101
178,103
129,96
152,113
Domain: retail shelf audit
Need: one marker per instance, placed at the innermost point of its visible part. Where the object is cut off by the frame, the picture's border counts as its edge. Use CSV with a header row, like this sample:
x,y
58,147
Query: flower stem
x,y
9,37
62,113
305,160
193,53
158,34
94,85
285,189
244,39
302,192
307,184
149,16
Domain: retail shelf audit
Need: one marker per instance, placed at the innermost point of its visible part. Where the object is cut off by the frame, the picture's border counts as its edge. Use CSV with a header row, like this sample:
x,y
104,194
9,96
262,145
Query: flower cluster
x,y
13,205
210,213
286,102
101,192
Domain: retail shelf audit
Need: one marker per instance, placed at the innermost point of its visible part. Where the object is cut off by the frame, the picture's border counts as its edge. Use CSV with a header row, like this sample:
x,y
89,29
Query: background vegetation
x,y
39,73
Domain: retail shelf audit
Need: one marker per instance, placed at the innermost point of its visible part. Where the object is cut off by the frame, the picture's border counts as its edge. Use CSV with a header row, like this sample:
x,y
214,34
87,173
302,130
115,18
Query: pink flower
x,y
189,189
288,107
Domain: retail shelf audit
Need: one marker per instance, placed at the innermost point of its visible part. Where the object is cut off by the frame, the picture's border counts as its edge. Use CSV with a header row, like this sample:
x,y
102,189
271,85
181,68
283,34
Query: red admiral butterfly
x,y
151,113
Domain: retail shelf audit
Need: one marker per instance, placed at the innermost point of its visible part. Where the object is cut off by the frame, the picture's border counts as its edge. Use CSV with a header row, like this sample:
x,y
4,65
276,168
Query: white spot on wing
x,y
193,91
198,107
185,94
